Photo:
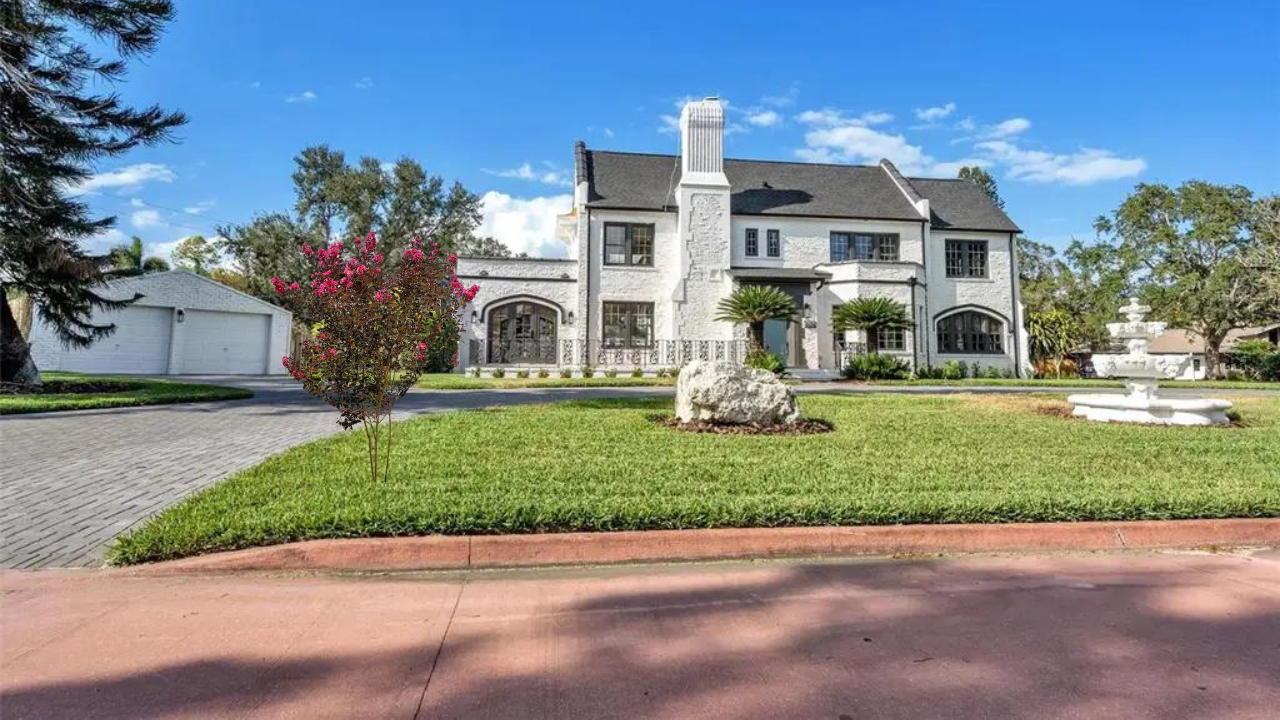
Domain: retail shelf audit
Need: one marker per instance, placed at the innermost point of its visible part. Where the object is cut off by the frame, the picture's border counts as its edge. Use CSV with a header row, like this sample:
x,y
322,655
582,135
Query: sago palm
x,y
752,305
871,315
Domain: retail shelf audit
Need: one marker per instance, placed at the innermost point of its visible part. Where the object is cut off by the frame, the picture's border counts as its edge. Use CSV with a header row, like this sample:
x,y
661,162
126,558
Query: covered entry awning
x,y
767,274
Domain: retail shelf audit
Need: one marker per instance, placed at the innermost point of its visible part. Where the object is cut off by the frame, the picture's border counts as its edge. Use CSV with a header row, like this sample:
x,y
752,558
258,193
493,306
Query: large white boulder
x,y
722,392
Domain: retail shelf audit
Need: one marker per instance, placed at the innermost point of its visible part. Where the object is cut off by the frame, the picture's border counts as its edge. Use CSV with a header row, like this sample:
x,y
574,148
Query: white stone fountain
x,y
1142,372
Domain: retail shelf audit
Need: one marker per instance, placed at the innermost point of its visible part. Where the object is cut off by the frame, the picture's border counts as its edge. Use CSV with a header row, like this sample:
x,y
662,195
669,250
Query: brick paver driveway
x,y
69,482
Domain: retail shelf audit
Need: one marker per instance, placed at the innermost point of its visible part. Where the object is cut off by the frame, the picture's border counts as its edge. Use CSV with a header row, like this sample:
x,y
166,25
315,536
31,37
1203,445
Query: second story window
x,y
864,246
628,244
753,242
966,258
774,243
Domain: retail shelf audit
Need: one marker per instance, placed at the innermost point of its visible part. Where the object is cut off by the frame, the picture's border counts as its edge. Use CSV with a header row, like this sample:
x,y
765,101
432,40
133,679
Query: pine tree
x,y
52,129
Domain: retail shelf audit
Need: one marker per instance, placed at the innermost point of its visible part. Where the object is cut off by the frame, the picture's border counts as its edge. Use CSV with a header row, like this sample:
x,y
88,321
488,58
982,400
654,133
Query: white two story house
x,y
659,240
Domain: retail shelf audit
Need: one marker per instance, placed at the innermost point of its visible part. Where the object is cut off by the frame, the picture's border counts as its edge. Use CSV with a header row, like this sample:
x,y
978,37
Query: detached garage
x,y
184,324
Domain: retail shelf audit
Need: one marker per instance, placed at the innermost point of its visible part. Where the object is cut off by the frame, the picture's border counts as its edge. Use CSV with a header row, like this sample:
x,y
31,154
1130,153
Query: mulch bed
x,y
803,426
65,387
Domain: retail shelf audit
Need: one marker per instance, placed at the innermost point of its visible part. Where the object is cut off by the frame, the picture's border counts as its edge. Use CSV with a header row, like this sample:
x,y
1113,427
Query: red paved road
x,y
1130,636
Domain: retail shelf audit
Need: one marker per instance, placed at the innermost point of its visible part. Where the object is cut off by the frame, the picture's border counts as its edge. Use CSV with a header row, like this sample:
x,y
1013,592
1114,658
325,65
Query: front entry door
x,y
782,338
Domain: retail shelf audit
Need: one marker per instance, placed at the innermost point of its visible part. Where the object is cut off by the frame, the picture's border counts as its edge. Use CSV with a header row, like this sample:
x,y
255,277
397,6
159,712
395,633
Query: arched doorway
x,y
522,332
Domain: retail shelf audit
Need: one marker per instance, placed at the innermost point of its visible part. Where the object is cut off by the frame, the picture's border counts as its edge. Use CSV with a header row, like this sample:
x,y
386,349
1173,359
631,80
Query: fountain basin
x,y
1157,411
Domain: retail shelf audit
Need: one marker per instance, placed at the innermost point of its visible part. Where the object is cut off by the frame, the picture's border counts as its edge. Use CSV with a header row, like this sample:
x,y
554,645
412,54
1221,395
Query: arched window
x,y
522,332
970,332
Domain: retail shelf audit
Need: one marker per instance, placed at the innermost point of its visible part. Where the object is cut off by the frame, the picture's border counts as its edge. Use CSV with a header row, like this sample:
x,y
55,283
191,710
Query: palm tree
x,y
753,305
130,257
871,315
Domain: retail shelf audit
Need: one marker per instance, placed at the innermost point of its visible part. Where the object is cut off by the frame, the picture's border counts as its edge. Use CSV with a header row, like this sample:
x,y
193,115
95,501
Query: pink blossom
x,y
422,346
414,254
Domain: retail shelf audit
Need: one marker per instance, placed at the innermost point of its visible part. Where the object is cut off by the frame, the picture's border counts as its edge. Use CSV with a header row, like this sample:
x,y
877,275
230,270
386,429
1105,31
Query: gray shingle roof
x,y
962,205
640,181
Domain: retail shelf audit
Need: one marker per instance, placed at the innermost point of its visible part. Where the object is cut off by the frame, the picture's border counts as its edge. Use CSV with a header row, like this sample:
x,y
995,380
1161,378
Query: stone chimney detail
x,y
702,142
703,202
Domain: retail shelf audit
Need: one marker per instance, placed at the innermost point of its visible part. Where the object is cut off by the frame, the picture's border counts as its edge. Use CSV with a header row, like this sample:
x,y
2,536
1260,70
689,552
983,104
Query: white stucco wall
x,y
995,293
178,290
806,242
548,282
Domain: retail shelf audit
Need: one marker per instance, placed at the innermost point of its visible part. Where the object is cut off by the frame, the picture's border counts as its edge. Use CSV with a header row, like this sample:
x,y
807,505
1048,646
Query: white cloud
x,y
855,143
1012,126
551,176
387,167
608,132
305,96
136,202
935,114
786,99
364,83
765,118
255,84
525,224
142,219
966,125
669,124
831,117
199,208
128,177
1079,168
952,167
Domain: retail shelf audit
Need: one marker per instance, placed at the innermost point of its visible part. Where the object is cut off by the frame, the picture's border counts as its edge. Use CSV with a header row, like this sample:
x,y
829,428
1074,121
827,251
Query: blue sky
x,y
1068,104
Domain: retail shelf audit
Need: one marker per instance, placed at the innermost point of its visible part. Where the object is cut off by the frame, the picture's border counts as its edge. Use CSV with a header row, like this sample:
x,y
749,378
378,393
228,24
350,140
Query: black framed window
x,y
628,324
773,243
864,246
970,332
628,244
753,242
966,258
891,339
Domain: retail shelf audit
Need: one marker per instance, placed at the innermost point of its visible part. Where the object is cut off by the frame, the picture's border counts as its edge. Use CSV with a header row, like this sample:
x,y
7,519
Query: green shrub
x,y
588,371
762,359
991,372
522,374
475,371
952,370
611,373
1007,373
637,372
543,374
566,372
876,367
498,373
1258,359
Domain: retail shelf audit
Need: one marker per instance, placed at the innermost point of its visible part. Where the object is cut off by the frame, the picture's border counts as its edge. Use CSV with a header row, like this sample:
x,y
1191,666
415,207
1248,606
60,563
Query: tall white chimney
x,y
704,200
702,142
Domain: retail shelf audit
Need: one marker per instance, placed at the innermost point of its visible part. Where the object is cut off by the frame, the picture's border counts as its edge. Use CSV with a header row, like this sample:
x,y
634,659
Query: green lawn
x,y
1078,383
603,465
454,381
138,391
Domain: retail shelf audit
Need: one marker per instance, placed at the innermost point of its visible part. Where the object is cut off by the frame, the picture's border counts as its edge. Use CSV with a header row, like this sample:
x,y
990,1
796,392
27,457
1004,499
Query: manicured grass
x,y
604,465
454,381
139,391
1078,383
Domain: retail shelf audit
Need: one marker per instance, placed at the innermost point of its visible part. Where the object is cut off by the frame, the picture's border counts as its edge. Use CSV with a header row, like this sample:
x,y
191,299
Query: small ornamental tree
x,y
375,329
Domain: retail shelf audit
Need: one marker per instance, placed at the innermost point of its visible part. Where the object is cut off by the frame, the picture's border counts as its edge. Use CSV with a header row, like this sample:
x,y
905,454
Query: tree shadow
x,y
1071,637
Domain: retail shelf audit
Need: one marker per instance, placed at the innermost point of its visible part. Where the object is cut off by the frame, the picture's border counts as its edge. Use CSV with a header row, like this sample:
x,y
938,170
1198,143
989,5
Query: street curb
x,y
498,551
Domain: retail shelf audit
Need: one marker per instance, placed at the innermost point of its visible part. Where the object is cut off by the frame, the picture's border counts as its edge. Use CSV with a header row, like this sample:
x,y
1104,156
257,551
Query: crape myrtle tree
x,y
54,125
375,329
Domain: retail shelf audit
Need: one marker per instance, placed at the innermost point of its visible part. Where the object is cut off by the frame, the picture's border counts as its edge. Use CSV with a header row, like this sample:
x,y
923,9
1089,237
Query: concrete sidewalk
x,y
1132,635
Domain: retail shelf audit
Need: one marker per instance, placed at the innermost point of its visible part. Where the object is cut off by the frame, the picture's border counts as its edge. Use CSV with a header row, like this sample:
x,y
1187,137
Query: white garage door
x,y
140,344
225,343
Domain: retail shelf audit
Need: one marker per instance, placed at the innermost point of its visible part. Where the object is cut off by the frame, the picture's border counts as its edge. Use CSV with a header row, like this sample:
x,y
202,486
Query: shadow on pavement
x,y
1135,636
